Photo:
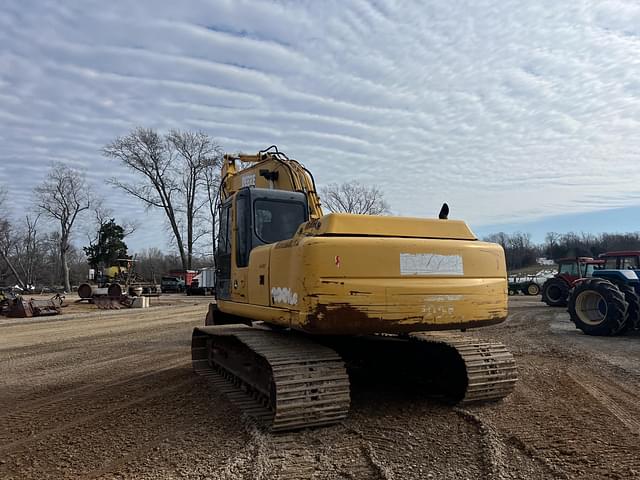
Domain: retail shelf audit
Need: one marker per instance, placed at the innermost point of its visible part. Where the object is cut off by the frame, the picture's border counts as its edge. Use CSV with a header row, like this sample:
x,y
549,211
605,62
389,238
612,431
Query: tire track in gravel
x,y
135,453
493,454
98,370
327,453
197,430
35,418
45,370
498,452
403,435
376,447
342,452
561,428
23,336
158,436
83,419
553,439
611,397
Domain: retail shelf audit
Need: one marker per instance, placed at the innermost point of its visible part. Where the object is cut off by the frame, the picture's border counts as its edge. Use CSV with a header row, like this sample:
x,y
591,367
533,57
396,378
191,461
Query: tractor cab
x,y
622,260
555,291
574,268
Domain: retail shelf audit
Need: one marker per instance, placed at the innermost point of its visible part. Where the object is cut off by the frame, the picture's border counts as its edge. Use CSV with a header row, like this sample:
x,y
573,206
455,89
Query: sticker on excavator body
x,y
430,264
249,180
284,295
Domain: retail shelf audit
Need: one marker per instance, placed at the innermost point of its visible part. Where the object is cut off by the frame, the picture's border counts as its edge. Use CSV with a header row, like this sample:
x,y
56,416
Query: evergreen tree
x,y
108,247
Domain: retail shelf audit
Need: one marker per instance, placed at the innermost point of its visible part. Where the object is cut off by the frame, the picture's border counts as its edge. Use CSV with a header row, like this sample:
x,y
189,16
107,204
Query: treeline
x,y
176,173
37,261
521,251
34,255
152,263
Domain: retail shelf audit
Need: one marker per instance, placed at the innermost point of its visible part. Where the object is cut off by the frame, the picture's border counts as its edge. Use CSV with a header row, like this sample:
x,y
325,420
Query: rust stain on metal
x,y
347,319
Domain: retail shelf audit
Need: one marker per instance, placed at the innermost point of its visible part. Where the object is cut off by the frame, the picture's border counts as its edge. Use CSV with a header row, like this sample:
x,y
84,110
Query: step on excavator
x,y
303,299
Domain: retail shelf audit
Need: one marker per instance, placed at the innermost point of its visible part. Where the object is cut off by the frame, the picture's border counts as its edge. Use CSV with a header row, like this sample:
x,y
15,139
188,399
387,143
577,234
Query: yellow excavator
x,y
303,298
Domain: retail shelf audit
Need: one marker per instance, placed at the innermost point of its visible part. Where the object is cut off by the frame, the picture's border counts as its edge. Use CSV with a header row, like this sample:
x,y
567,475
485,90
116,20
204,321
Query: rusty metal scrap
x,y
106,302
18,307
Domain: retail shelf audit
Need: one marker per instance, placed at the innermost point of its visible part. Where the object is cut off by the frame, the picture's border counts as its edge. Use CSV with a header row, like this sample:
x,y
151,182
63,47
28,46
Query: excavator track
x,y
288,381
490,369
283,382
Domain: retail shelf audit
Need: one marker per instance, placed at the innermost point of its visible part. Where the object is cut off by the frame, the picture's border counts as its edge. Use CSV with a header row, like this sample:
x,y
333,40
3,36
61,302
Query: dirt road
x,y
113,396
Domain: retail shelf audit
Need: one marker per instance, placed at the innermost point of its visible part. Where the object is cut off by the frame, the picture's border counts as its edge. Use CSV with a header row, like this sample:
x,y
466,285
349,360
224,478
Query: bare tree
x,y
354,197
62,197
146,153
212,182
8,239
171,173
28,249
199,155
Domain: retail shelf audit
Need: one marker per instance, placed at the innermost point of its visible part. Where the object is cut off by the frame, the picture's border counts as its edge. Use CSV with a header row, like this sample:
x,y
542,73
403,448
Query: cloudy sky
x,y
521,115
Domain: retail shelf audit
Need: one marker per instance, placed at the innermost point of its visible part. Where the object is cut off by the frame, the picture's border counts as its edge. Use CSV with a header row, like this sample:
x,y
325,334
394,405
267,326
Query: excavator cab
x,y
262,216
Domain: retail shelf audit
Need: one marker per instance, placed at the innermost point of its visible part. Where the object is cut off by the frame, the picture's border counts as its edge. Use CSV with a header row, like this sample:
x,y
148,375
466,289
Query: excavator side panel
x,y
258,277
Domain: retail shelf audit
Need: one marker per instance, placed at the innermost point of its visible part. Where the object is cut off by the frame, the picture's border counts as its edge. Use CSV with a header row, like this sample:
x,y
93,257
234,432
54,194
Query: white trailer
x,y
206,282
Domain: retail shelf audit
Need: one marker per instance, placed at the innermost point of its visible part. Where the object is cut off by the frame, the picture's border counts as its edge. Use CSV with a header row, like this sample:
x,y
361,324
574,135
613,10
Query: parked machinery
x,y
116,281
302,295
16,306
555,291
525,284
609,303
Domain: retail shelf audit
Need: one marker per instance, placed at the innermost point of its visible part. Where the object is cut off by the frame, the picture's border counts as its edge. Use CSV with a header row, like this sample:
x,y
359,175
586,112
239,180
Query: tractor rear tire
x,y
633,310
598,307
555,292
531,288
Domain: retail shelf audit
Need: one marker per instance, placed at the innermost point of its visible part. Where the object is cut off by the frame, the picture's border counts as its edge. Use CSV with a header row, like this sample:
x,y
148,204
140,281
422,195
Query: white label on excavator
x,y
283,295
249,180
430,264
443,298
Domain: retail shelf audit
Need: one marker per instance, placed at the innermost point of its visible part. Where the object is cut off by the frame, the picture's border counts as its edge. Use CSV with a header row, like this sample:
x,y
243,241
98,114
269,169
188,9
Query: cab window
x,y
224,238
589,269
629,263
277,220
569,268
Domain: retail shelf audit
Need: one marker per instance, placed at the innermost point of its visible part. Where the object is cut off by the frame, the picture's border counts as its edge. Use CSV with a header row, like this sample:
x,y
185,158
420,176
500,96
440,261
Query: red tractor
x,y
609,302
555,291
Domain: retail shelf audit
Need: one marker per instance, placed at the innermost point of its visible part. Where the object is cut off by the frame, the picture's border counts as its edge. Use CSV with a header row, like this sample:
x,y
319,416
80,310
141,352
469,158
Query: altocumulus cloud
x,y
509,111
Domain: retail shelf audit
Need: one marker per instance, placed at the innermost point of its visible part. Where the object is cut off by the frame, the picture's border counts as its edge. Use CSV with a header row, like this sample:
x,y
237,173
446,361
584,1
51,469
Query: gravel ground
x,y
113,396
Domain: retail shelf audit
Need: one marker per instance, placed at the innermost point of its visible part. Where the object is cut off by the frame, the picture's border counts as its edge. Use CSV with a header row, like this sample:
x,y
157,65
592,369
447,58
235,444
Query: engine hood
x,y
346,224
